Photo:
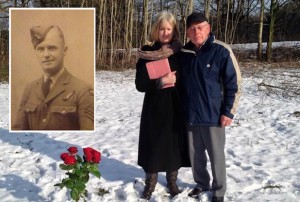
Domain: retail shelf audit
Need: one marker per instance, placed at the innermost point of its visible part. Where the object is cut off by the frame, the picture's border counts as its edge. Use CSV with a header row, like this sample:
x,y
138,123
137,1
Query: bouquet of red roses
x,y
78,170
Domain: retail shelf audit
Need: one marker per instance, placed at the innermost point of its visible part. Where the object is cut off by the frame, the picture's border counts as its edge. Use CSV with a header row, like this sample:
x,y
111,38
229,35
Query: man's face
x,y
51,52
198,33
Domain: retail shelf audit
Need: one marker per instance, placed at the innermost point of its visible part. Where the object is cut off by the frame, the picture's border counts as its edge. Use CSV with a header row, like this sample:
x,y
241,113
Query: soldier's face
x,y
51,52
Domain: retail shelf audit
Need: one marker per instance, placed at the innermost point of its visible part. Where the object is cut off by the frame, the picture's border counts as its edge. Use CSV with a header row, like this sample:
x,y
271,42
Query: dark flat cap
x,y
195,17
39,33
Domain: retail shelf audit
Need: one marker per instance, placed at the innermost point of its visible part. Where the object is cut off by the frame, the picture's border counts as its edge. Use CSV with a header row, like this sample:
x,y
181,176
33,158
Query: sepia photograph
x,y
52,69
149,101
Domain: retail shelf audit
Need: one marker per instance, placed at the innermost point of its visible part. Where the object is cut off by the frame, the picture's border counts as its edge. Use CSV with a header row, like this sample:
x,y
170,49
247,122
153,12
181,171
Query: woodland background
x,y
122,26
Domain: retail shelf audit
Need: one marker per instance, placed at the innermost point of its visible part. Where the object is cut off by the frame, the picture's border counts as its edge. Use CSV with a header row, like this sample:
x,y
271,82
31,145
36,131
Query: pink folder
x,y
158,68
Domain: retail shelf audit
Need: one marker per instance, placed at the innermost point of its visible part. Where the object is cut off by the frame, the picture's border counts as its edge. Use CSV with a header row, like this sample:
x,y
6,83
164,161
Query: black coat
x,y
163,138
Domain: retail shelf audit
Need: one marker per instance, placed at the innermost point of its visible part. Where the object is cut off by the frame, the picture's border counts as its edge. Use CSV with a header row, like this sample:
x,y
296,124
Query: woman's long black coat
x,y
162,139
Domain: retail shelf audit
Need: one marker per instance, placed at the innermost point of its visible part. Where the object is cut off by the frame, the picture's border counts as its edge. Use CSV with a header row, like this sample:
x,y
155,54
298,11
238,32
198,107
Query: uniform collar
x,y
55,77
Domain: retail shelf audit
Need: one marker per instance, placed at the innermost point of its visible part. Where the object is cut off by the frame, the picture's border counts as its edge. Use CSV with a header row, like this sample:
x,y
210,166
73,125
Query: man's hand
x,y
170,78
225,121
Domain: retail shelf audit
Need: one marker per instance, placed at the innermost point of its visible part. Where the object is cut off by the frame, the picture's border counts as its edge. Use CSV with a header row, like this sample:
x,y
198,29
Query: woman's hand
x,y
169,78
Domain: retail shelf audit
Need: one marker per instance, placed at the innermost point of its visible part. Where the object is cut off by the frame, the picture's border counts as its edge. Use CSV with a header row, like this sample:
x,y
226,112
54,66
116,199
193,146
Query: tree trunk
x,y
152,12
191,6
237,12
218,23
206,9
131,29
145,21
227,20
112,34
128,28
185,9
260,31
271,30
102,33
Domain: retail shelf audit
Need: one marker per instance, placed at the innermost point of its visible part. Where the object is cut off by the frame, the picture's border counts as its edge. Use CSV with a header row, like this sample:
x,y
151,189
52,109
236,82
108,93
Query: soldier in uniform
x,y
57,100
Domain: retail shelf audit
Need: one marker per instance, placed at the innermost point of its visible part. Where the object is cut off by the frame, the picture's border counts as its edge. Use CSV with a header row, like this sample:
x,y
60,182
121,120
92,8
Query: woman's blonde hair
x,y
163,16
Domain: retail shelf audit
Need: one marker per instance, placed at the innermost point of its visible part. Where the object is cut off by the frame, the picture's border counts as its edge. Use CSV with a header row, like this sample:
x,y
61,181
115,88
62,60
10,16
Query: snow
x,y
262,147
253,46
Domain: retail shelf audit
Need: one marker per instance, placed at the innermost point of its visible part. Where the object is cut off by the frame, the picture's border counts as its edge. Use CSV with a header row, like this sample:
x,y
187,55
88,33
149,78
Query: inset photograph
x,y
52,69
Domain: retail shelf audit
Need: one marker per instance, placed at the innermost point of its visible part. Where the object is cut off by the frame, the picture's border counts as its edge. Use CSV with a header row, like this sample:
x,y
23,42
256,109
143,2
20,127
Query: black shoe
x,y
195,193
217,199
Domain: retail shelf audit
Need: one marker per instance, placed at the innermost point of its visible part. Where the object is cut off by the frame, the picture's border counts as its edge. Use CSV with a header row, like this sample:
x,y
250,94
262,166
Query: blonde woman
x,y
162,138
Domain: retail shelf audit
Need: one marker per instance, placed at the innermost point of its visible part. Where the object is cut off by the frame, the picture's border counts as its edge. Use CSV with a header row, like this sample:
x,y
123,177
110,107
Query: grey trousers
x,y
212,140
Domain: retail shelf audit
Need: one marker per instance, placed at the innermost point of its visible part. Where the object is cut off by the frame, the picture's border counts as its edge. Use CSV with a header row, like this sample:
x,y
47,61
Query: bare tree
x,y
206,8
129,27
4,6
185,8
227,19
113,10
122,25
271,30
218,32
145,21
102,33
260,32
275,5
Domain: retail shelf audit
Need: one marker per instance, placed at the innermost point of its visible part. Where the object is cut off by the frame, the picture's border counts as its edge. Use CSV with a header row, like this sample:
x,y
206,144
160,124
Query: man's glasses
x,y
199,28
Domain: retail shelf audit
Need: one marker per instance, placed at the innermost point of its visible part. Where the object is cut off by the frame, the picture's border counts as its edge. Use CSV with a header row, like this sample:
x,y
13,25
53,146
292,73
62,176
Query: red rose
x,y
63,156
73,150
88,152
97,156
70,160
92,155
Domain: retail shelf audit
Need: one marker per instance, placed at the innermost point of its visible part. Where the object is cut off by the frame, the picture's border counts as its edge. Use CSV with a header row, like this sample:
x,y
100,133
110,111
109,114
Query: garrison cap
x,y
39,33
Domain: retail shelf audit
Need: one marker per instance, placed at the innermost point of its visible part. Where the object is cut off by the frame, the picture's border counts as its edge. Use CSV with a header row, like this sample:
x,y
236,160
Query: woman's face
x,y
165,32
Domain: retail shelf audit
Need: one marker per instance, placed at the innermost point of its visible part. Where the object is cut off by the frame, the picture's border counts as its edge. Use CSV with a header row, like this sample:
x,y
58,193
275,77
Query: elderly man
x,y
211,90
57,100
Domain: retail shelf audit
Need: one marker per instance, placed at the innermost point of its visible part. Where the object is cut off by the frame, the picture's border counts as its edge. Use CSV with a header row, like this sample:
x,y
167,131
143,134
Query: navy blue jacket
x,y
210,82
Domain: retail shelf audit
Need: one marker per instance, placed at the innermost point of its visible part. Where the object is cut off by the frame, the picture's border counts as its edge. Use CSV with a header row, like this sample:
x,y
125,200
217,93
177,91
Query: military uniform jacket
x,y
68,106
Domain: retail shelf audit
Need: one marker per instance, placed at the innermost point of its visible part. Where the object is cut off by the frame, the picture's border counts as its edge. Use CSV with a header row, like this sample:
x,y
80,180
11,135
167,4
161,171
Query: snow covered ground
x,y
262,148
253,46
